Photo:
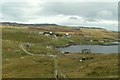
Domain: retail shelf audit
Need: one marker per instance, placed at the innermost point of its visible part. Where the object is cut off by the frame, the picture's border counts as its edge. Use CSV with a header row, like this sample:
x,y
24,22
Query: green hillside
x,y
18,63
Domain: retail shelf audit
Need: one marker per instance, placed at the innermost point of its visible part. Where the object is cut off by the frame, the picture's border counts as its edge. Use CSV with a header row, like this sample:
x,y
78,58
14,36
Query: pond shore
x,y
102,44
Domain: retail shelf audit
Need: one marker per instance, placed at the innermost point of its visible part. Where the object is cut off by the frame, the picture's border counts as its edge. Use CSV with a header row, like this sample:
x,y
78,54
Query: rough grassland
x,y
97,65
18,64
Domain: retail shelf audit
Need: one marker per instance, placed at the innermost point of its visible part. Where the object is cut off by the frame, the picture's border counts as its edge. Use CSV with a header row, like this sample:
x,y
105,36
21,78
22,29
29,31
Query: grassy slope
x,y
28,67
102,65
15,66
100,33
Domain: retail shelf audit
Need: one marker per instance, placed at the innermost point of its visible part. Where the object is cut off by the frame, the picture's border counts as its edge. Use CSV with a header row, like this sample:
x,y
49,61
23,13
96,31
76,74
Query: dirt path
x,y
32,54
57,73
22,47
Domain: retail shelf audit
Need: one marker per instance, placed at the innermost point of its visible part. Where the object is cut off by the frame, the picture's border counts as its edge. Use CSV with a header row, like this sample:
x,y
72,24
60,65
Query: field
x,y
44,62
96,66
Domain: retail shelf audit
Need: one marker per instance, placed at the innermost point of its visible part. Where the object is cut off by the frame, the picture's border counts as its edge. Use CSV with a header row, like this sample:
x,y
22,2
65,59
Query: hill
x,y
22,24
18,64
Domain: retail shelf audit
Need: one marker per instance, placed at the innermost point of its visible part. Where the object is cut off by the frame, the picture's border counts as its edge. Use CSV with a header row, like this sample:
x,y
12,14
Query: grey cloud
x,y
88,10
14,11
91,20
73,18
91,12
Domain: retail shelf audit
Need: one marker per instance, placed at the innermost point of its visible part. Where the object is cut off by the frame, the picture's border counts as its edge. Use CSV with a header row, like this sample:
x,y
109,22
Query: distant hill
x,y
21,24
91,27
46,25
77,30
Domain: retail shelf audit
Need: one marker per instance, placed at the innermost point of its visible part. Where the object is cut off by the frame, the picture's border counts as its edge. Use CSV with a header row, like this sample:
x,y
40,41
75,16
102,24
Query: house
x,y
87,36
101,41
48,33
81,60
67,35
51,33
49,46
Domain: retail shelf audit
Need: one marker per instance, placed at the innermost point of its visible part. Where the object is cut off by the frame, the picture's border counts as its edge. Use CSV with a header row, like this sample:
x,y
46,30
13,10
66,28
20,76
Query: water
x,y
116,42
94,48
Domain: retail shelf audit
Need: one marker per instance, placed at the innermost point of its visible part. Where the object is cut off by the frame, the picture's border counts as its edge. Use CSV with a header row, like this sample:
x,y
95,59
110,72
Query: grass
x,y
28,67
15,50
18,64
102,65
41,49
100,33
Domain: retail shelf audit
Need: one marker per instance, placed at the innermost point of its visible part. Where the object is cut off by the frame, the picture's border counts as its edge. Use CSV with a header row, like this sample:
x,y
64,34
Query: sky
x,y
92,13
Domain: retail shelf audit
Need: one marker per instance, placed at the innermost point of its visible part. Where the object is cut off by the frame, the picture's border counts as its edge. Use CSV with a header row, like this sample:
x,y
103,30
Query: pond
x,y
93,48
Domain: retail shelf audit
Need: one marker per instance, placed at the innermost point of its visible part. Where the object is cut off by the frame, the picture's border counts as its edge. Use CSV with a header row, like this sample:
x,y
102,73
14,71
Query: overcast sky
x,y
77,13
